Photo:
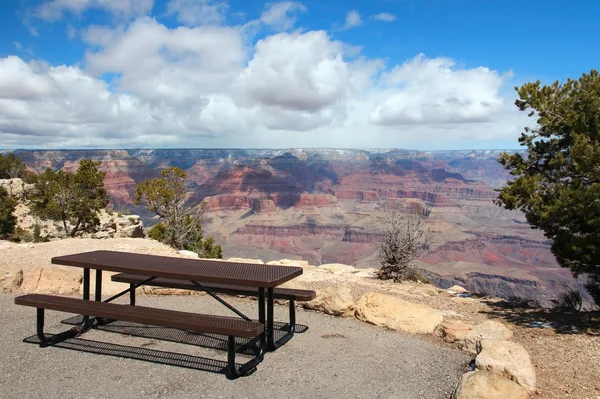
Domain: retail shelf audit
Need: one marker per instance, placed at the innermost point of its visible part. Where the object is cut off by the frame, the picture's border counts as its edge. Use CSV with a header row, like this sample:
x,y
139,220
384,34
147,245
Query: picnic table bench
x,y
210,276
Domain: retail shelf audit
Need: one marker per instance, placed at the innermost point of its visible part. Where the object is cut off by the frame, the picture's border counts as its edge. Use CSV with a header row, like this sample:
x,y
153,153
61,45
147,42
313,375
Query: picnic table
x,y
211,276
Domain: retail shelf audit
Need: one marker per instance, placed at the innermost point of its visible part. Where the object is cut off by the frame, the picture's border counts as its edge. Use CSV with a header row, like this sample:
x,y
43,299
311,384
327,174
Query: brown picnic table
x,y
211,276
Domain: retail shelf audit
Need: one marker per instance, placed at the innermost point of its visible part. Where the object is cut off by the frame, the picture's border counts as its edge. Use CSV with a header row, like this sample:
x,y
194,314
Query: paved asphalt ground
x,y
334,358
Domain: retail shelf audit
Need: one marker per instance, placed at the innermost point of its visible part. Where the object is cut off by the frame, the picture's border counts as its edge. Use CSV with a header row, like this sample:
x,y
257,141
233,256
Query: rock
x,y
337,268
188,254
245,260
133,231
485,385
397,314
453,331
51,280
289,262
334,300
11,278
487,330
16,187
508,359
457,289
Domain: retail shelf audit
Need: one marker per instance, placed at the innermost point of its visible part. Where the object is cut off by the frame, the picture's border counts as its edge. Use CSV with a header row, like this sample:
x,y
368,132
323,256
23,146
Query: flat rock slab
x,y
397,314
335,357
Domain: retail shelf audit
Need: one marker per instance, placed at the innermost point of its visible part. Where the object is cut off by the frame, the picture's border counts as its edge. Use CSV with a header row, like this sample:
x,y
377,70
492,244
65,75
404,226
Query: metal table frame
x,y
264,277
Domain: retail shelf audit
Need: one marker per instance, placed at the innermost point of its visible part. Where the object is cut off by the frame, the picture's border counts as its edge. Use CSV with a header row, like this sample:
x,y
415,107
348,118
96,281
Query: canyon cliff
x,y
329,206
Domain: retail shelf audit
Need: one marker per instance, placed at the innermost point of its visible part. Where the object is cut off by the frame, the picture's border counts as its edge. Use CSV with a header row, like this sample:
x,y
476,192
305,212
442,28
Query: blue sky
x,y
203,73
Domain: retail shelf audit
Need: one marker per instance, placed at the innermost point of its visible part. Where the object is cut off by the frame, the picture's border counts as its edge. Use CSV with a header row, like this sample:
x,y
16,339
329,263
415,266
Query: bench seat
x,y
291,294
232,327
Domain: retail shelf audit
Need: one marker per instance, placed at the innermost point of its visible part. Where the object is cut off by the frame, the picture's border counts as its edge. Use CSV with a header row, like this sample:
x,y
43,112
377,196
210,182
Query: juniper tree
x,y
180,225
557,181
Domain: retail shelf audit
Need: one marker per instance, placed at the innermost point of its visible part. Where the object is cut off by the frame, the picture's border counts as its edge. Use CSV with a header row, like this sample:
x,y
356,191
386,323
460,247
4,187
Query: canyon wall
x,y
329,206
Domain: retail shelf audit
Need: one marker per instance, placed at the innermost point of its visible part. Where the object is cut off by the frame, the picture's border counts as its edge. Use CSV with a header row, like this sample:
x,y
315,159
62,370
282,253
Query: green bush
x,y
158,232
8,220
21,235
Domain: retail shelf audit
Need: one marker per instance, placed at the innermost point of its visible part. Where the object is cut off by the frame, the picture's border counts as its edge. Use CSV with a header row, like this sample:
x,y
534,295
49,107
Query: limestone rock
x,y
457,288
245,260
333,300
188,254
508,359
485,385
337,268
51,280
289,262
487,330
16,188
453,331
397,314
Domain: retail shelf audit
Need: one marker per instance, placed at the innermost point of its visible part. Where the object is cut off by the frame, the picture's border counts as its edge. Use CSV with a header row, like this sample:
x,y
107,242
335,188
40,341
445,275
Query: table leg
x,y
98,291
269,326
86,297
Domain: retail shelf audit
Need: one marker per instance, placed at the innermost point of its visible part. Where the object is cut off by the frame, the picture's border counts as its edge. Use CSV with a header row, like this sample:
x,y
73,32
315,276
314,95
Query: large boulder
x,y
16,187
508,359
333,300
485,385
397,314
51,280
489,329
453,331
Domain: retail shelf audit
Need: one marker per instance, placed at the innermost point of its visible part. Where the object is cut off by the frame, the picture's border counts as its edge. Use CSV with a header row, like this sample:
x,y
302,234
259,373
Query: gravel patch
x,y
335,357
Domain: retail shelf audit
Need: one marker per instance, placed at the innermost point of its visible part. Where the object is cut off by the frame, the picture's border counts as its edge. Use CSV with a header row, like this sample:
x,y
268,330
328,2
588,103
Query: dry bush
x,y
405,240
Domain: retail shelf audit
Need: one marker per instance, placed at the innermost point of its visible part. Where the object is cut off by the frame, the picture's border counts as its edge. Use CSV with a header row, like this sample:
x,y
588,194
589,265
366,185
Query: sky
x,y
415,74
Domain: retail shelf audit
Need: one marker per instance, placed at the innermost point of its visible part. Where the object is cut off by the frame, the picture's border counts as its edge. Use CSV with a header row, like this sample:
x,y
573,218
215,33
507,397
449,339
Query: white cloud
x,y
353,19
281,16
434,91
177,66
209,86
53,10
384,16
198,12
303,72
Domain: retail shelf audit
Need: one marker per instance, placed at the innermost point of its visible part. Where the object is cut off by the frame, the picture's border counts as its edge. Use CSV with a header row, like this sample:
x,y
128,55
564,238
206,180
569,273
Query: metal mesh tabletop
x,y
246,274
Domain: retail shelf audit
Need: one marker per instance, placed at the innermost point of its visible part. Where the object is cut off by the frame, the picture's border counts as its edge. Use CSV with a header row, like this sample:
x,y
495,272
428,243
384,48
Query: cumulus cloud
x,y
143,84
198,12
281,16
434,91
177,66
53,10
384,16
353,19
304,72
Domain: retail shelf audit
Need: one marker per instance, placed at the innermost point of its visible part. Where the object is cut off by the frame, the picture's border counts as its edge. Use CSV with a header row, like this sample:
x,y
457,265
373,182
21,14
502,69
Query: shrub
x,y
569,301
158,232
8,220
405,240
21,235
